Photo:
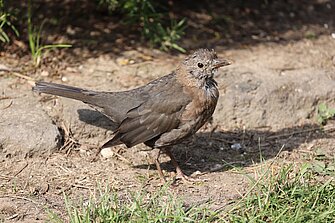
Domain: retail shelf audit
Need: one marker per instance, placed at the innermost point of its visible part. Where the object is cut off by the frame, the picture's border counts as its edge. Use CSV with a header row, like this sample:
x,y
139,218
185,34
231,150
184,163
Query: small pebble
x,y
107,153
236,146
216,167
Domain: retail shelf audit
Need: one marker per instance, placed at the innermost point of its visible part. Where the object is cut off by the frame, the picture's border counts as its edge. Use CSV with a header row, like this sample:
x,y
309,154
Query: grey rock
x,y
26,130
258,97
86,124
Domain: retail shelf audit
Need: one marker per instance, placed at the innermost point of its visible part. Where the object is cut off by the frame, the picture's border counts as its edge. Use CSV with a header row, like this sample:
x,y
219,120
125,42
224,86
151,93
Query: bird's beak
x,y
221,63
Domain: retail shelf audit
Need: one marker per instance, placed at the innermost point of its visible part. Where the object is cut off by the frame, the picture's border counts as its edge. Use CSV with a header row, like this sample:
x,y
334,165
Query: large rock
x,y
25,129
278,86
258,97
87,125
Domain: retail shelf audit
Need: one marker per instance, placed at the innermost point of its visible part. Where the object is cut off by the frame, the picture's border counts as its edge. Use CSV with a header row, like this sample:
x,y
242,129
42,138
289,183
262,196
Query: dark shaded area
x,y
210,23
215,152
208,149
236,23
95,118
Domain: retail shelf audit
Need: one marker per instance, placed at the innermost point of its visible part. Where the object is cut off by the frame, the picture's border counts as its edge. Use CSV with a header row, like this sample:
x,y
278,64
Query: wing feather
x,y
141,126
158,112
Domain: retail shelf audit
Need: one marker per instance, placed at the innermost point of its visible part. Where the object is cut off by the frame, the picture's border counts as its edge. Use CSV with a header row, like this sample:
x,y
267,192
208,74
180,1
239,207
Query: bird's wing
x,y
115,105
159,114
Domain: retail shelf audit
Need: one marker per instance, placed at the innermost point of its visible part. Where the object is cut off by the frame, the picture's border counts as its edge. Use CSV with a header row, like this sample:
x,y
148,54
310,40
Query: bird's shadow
x,y
222,150
97,119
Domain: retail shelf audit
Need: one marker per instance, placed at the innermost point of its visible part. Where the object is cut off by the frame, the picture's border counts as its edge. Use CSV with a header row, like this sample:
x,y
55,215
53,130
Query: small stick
x,y
24,167
17,74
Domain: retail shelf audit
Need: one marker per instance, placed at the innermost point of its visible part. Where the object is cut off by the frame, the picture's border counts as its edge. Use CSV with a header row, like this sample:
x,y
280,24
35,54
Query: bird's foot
x,y
187,179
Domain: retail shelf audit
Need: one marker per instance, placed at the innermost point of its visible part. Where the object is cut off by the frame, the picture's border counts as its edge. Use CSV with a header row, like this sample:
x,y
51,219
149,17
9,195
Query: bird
x,y
160,114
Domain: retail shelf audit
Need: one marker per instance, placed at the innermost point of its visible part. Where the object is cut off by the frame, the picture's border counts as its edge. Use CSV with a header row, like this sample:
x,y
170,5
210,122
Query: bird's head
x,y
203,64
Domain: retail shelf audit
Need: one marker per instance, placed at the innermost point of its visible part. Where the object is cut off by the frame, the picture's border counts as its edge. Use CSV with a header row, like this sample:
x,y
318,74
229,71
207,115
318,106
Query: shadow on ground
x,y
222,150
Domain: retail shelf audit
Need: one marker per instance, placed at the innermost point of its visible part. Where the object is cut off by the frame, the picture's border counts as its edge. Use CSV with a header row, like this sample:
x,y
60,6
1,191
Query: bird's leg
x,y
158,166
179,172
96,156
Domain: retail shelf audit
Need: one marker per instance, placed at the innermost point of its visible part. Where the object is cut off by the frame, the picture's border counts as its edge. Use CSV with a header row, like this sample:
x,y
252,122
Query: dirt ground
x,y
107,56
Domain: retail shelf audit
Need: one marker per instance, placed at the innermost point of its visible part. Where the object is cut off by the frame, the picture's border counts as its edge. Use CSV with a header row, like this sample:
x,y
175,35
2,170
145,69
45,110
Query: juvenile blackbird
x,y
161,113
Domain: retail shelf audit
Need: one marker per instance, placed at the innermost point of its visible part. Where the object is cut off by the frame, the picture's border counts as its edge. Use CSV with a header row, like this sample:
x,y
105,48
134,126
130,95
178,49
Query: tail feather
x,y
64,91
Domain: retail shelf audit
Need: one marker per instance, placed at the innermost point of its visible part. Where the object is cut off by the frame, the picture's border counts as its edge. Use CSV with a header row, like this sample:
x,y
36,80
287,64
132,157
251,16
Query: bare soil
x,y
107,56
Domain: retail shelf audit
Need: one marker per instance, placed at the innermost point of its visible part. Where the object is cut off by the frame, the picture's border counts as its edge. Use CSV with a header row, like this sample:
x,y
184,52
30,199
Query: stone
x,y
258,96
25,129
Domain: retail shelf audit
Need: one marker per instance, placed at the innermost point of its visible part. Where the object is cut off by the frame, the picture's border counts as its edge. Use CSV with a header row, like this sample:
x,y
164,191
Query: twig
x,y
12,217
18,172
22,198
124,159
73,185
17,74
81,186
7,106
5,97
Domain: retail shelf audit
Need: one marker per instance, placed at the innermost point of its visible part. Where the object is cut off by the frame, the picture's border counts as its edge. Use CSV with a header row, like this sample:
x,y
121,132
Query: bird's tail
x,y
64,91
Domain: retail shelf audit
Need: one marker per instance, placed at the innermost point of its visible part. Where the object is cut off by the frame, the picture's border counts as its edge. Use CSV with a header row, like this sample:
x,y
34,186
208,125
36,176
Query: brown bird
x,y
161,113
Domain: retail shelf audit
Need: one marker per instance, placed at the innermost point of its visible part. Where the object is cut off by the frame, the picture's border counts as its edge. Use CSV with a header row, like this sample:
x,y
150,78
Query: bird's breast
x,y
202,105
204,95
210,89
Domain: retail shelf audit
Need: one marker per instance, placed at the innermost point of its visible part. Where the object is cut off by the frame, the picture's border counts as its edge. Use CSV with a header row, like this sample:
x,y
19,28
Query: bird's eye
x,y
200,65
